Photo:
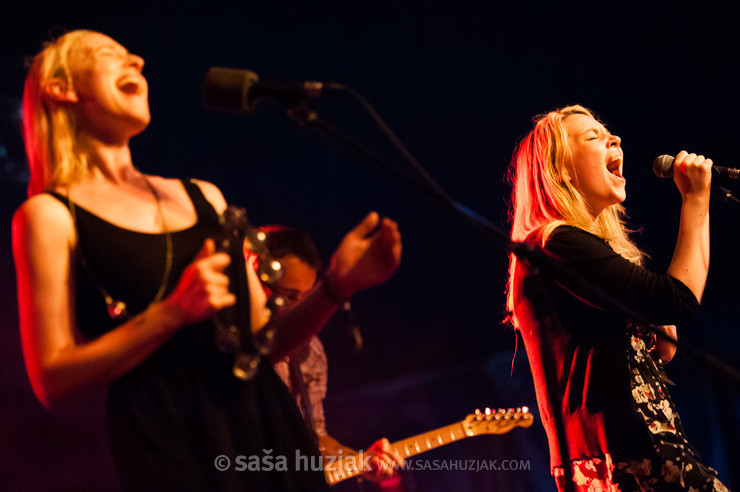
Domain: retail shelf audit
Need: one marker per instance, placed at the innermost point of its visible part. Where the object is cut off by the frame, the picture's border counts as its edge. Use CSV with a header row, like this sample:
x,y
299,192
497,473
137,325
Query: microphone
x,y
236,91
663,168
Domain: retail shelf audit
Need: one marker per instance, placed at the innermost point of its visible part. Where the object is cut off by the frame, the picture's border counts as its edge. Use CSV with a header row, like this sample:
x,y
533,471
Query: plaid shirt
x,y
314,368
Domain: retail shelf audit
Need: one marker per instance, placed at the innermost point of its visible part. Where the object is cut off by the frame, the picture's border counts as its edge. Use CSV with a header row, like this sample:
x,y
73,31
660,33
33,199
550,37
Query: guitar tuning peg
x,y
511,410
477,411
501,410
488,411
525,409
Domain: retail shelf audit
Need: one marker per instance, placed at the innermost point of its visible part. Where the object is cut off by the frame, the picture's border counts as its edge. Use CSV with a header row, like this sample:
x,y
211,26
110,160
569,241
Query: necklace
x,y
168,245
117,309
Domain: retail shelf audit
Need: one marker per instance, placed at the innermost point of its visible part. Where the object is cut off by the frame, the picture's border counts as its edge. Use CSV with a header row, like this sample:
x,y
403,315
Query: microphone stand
x,y
541,265
309,119
725,195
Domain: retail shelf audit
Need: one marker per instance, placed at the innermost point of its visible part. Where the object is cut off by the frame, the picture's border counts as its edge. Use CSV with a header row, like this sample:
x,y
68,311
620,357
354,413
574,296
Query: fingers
x,y
383,450
385,461
389,227
367,225
216,262
250,257
215,282
381,445
391,236
208,248
372,225
203,288
685,161
367,256
694,174
208,286
388,242
208,258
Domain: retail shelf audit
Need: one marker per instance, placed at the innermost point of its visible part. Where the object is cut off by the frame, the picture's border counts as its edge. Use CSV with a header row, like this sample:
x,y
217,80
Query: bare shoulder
x,y
42,220
43,210
212,194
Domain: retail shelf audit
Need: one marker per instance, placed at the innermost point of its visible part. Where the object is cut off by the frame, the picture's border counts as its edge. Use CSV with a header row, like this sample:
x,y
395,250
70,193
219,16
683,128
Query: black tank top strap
x,y
206,213
59,196
203,207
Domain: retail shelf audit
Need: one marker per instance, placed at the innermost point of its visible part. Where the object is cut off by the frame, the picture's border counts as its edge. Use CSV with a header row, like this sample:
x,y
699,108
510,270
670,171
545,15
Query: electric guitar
x,y
475,424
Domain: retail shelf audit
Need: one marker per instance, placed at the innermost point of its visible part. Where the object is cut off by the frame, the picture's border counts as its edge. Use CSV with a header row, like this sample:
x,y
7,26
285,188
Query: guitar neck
x,y
427,441
411,446
490,422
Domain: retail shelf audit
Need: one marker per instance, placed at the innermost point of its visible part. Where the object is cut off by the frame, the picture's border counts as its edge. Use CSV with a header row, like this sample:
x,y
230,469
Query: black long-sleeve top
x,y
584,349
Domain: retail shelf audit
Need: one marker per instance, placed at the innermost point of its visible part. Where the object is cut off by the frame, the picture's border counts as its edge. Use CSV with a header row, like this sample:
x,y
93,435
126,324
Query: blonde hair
x,y
49,126
542,199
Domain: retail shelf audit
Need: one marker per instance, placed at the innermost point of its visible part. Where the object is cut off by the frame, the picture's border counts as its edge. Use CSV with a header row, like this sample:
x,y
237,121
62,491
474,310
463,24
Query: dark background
x,y
459,83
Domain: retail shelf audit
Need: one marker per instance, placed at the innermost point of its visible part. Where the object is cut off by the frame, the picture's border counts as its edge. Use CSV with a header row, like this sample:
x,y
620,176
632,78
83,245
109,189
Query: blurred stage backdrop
x,y
459,83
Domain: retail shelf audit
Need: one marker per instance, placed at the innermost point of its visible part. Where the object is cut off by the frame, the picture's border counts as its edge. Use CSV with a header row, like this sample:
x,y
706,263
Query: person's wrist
x,y
170,316
697,197
333,290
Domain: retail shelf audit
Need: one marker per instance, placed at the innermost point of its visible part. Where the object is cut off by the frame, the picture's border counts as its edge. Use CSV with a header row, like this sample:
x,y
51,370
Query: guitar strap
x,y
298,387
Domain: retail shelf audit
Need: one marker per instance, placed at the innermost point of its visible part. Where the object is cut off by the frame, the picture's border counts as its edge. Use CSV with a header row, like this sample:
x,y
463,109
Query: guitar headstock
x,y
496,421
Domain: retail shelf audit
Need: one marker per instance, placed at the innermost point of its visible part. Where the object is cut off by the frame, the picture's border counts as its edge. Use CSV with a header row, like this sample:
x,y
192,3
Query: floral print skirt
x,y
674,466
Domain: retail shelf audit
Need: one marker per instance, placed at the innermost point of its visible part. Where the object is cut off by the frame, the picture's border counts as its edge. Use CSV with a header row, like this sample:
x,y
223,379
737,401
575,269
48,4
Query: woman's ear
x,y
58,90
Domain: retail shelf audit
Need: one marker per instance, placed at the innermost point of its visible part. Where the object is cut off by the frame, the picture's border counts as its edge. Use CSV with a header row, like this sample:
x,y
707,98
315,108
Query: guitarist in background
x,y
305,371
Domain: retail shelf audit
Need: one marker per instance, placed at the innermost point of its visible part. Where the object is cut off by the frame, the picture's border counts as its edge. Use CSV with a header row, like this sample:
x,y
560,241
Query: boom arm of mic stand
x,y
724,195
310,119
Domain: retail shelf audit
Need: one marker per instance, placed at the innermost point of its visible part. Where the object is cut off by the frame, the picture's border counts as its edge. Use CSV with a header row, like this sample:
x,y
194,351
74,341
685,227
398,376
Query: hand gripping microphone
x,y
663,168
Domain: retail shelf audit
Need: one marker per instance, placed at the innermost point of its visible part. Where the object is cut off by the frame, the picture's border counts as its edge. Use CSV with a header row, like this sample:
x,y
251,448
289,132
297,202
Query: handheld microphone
x,y
236,91
663,168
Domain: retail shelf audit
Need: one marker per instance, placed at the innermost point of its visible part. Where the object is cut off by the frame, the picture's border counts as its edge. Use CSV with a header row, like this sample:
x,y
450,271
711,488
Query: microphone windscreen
x,y
227,89
663,166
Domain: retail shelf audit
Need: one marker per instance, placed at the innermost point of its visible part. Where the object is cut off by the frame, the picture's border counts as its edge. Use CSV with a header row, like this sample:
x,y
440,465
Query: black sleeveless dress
x,y
181,420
